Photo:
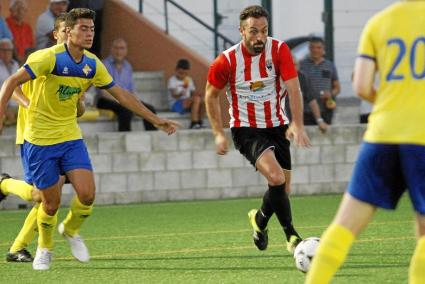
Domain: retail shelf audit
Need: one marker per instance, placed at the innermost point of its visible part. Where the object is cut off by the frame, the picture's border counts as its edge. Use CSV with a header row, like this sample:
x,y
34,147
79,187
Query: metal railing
x,y
216,34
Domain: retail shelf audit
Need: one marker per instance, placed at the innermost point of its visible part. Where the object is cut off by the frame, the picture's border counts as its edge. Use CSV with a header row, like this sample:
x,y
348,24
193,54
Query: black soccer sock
x,y
263,215
282,208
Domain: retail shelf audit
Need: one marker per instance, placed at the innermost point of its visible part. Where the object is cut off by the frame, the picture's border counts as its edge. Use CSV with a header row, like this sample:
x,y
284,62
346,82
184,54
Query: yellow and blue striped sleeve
x,y
102,79
40,63
366,47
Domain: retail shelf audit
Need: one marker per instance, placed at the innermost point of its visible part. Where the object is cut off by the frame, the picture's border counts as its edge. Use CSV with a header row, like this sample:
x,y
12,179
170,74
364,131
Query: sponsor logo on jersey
x,y
66,92
256,86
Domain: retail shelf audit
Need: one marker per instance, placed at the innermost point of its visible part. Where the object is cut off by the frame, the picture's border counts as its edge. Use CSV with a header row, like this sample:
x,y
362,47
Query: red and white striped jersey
x,y
254,84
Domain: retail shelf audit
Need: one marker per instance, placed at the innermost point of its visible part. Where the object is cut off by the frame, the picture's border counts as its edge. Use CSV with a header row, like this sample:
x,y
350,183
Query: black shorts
x,y
252,142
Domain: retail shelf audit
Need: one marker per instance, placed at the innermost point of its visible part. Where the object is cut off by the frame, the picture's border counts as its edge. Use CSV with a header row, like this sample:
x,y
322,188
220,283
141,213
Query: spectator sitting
x,y
23,37
182,96
8,66
4,29
323,75
46,21
122,73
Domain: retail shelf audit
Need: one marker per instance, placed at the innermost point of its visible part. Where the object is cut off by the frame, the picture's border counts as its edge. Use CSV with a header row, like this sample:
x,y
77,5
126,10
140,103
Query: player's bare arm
x,y
81,106
20,98
129,101
212,104
296,128
364,74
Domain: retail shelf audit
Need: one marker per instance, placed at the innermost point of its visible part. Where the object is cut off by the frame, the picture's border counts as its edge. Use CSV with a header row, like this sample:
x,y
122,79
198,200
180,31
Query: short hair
x,y
183,64
60,19
316,39
254,11
79,13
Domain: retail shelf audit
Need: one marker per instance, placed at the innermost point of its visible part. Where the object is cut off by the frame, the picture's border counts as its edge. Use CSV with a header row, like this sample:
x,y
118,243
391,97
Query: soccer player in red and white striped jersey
x,y
258,73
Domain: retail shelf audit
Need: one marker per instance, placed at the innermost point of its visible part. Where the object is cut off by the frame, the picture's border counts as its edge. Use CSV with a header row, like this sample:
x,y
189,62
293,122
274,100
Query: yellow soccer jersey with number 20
x,y
51,116
395,39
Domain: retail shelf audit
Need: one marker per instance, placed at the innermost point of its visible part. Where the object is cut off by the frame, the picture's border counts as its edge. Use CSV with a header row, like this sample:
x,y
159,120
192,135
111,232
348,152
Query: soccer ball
x,y
304,253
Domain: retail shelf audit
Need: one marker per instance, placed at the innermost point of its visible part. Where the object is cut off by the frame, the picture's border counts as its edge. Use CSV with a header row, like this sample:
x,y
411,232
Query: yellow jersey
x,y
52,113
395,39
22,113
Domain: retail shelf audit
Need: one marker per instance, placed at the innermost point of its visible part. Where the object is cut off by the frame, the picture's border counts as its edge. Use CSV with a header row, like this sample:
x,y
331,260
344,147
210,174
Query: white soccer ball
x,y
304,253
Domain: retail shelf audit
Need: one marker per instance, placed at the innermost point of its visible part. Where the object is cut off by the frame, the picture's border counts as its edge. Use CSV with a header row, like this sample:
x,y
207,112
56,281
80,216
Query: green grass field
x,y
210,242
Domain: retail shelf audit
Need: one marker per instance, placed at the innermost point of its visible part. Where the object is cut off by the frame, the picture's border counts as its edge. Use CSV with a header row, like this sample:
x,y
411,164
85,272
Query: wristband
x,y
319,120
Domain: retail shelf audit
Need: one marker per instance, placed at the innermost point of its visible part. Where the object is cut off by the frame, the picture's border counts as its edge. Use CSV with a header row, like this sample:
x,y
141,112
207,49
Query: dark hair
x,y
61,18
183,64
316,39
78,13
254,11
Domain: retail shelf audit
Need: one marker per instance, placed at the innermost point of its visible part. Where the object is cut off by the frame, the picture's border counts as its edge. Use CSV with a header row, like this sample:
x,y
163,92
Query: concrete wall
x,y
149,167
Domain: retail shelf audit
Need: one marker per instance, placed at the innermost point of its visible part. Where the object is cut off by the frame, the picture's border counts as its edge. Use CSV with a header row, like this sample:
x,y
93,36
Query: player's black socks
x,y
279,201
263,215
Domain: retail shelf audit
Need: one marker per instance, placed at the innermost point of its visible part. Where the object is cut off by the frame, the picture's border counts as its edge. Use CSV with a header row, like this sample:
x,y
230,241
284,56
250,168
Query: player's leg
x,y
417,263
377,181
270,168
413,162
9,185
18,251
46,222
352,217
76,163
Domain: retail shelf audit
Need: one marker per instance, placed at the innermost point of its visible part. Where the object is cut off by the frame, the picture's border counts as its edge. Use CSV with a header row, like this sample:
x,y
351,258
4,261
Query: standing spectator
x,y
122,73
312,115
8,66
97,6
46,21
23,37
324,77
182,96
4,29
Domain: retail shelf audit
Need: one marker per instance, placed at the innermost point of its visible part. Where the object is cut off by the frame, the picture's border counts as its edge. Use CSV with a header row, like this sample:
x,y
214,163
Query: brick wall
x,y
150,167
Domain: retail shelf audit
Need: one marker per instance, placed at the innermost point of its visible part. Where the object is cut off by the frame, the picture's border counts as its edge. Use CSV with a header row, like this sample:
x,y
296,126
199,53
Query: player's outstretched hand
x,y
168,126
298,135
221,144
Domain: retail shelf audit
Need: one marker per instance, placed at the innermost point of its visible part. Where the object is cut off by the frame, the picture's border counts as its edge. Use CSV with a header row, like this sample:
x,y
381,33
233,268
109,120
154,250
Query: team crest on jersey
x,y
86,69
256,86
269,64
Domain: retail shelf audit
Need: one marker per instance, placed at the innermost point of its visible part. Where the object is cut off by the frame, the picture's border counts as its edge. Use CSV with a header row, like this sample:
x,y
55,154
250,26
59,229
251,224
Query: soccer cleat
x,y
3,176
261,239
78,247
292,243
42,259
20,256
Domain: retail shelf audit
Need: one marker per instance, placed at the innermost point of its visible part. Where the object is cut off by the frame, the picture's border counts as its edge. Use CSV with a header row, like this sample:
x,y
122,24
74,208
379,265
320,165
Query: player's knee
x,y
87,198
275,177
51,207
36,196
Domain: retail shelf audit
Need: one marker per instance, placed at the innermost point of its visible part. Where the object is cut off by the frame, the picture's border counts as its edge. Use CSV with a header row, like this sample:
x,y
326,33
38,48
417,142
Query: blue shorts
x,y
178,107
44,164
384,171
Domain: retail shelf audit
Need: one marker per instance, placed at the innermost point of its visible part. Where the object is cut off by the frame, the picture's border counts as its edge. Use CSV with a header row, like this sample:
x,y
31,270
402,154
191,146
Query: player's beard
x,y
258,47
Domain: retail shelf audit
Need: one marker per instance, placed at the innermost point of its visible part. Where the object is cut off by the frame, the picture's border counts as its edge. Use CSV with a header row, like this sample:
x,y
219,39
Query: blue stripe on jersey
x,y
67,67
110,85
28,69
367,57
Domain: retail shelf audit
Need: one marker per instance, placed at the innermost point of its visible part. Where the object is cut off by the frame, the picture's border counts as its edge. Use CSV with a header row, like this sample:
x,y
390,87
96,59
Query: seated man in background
x,y
122,73
23,37
8,66
182,97
45,22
